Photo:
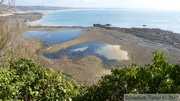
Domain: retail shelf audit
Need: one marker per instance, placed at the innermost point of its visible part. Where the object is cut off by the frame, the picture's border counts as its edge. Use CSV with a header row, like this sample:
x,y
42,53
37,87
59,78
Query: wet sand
x,y
127,46
123,55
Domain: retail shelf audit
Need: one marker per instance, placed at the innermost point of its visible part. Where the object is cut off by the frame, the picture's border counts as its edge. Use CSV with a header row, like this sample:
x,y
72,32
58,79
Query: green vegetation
x,y
158,77
26,80
23,79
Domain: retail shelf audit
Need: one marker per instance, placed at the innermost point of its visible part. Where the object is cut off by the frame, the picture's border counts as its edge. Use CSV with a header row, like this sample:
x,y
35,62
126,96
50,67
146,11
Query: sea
x,y
125,18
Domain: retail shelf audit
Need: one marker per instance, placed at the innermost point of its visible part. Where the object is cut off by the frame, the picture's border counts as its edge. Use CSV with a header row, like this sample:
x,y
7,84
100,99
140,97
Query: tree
x,y
8,4
11,43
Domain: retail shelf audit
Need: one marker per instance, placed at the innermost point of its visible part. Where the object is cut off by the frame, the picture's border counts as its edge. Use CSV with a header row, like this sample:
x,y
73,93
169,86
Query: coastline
x,y
137,43
39,21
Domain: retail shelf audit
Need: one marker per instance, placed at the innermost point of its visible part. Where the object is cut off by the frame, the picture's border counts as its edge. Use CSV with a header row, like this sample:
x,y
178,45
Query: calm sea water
x,y
167,20
53,37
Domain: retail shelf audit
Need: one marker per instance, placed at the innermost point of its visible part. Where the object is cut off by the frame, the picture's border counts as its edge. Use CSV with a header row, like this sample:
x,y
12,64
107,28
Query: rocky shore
x,y
152,34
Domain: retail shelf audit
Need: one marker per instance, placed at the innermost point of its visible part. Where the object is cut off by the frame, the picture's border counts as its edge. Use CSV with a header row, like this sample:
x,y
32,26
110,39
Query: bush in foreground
x,y
158,77
26,80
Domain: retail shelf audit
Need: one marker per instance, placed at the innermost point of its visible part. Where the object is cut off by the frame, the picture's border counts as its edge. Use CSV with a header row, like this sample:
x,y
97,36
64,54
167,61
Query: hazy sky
x,y
159,4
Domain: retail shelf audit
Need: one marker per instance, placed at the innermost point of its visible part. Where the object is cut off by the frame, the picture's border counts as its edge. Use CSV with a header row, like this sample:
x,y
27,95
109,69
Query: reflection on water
x,y
53,37
104,51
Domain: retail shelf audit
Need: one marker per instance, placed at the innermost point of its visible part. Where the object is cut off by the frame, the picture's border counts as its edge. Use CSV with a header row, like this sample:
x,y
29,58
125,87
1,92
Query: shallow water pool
x,y
53,37
102,50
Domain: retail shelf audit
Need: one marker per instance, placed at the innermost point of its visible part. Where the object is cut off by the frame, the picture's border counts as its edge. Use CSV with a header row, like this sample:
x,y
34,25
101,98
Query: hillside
x,y
4,8
34,8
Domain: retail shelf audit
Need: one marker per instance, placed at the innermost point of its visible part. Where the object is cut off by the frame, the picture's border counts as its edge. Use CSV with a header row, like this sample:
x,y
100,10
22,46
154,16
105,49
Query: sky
x,y
157,4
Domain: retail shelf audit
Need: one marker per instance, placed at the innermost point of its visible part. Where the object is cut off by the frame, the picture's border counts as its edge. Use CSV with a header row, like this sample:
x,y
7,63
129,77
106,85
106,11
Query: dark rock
x,y
100,25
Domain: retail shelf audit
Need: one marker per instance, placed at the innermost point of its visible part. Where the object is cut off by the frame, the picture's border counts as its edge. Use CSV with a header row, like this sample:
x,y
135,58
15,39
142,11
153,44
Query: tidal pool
x,y
53,37
102,50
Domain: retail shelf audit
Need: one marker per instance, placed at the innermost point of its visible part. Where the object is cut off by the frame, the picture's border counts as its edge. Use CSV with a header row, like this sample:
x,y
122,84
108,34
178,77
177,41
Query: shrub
x,y
26,80
158,77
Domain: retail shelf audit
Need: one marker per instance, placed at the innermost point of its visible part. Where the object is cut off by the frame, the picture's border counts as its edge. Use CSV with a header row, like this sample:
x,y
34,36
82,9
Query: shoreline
x,y
139,43
37,22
